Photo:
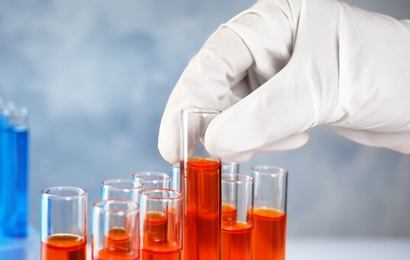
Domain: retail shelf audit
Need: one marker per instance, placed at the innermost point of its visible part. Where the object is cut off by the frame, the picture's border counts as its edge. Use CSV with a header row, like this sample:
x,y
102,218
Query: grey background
x,y
96,76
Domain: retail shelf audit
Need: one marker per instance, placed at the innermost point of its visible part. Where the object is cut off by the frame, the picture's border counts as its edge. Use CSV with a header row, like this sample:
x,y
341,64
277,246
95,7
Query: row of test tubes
x,y
14,170
203,209
253,225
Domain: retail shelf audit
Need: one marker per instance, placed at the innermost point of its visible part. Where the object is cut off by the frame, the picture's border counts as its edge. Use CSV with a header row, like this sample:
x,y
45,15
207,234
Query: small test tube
x,y
161,222
126,189
269,212
229,167
115,230
237,220
175,175
63,230
152,179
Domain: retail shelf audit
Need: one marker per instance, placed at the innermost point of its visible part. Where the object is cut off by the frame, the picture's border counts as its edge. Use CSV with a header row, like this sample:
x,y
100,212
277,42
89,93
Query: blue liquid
x,y
4,143
13,181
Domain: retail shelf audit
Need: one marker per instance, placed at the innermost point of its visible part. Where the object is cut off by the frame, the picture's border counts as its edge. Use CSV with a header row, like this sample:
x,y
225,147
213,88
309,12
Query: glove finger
x,y
273,117
291,142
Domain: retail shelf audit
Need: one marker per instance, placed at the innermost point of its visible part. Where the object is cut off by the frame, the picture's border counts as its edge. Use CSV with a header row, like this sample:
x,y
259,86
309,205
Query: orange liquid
x,y
118,246
202,224
228,213
269,234
64,247
166,252
160,240
236,241
155,228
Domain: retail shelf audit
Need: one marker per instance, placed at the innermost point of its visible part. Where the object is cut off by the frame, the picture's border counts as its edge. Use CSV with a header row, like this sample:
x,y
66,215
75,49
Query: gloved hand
x,y
284,66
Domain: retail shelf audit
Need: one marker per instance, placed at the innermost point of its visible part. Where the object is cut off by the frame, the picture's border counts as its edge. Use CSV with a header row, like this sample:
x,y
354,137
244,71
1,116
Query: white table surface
x,y
296,249
348,249
21,248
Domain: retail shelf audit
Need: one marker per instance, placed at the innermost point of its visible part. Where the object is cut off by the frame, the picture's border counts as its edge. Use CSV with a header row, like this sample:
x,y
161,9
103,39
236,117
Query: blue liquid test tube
x,y
14,139
4,125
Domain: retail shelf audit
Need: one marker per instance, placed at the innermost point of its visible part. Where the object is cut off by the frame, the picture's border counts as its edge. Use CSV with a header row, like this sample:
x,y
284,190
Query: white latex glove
x,y
285,66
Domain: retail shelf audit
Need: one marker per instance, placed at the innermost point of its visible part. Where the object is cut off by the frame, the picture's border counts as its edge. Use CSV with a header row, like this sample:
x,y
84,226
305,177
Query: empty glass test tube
x,y
269,213
201,186
175,175
237,220
126,189
229,167
115,230
63,223
152,179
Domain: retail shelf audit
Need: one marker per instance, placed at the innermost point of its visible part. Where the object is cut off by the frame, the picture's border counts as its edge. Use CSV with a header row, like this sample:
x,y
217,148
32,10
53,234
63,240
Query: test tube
x,y
126,189
269,213
115,230
229,167
237,220
63,223
14,159
152,179
4,144
201,185
175,175
161,219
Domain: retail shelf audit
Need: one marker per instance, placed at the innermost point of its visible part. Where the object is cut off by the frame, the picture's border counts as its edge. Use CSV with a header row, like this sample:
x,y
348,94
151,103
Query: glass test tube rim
x,y
165,175
247,178
98,206
270,170
201,110
82,192
179,194
121,180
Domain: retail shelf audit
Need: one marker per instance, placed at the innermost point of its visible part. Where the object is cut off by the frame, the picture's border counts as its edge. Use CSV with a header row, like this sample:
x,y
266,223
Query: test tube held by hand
x,y
201,185
269,213
63,223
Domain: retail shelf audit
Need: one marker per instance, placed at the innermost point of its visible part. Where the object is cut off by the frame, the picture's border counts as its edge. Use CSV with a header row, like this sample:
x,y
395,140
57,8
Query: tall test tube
x,y
14,153
201,185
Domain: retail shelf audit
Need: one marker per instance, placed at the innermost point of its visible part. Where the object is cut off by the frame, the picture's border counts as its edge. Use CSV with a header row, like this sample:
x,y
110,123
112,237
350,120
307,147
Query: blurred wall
x,y
96,76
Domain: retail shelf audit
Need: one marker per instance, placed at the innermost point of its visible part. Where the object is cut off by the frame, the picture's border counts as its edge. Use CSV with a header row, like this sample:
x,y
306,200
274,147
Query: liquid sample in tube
x,y
202,225
158,238
236,240
64,247
14,141
236,236
117,246
269,225
228,213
